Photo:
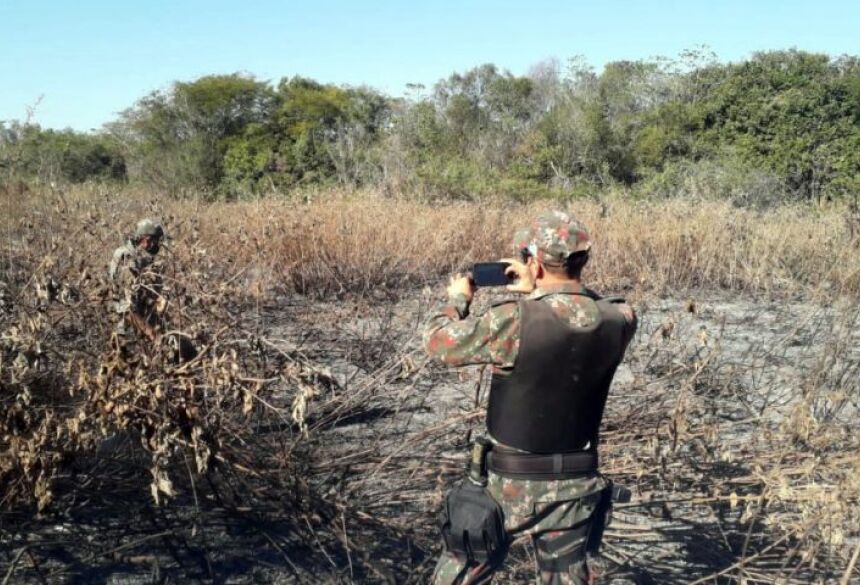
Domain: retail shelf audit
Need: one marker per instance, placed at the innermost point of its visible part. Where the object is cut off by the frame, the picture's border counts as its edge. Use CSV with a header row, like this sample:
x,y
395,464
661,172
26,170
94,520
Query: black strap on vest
x,y
552,400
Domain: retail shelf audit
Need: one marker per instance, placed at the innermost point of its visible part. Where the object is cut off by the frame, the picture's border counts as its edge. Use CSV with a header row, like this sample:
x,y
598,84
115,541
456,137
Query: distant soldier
x,y
554,353
139,290
137,281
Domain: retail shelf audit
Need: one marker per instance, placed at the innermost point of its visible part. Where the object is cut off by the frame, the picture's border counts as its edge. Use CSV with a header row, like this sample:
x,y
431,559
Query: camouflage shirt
x,y
494,337
136,281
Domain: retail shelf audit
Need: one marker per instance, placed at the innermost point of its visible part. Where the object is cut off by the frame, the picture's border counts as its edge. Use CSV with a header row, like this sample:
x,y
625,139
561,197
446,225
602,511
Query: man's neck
x,y
549,280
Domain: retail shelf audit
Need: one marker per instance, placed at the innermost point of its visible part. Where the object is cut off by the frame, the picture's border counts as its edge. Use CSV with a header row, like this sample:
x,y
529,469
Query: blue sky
x,y
90,59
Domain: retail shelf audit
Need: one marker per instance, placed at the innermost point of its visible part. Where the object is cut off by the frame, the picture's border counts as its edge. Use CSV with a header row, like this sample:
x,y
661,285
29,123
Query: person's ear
x,y
537,269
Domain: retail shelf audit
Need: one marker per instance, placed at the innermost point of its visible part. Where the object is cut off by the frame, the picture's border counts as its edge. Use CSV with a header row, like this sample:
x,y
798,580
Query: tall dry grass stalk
x,y
344,241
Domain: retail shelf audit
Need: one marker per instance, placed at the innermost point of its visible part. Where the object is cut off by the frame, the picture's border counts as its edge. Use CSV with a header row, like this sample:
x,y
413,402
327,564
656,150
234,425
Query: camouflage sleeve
x,y
124,279
492,338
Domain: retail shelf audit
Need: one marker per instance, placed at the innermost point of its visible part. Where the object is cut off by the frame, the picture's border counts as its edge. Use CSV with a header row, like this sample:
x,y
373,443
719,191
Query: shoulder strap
x,y
503,302
615,300
584,293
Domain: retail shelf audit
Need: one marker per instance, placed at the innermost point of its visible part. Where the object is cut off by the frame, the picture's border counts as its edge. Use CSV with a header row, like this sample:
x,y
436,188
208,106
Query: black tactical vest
x,y
552,400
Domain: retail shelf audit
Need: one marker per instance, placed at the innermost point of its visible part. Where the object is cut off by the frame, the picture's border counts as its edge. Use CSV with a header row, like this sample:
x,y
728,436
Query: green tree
x,y
177,139
325,132
791,112
57,156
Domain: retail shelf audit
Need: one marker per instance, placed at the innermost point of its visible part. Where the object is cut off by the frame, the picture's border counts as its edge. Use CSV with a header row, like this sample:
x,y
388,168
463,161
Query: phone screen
x,y
490,274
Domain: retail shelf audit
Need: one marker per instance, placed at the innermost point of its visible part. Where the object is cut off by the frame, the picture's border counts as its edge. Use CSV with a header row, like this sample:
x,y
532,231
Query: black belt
x,y
538,466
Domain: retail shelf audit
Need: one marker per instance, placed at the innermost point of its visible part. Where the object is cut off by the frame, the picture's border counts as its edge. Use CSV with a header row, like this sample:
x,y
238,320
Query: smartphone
x,y
490,274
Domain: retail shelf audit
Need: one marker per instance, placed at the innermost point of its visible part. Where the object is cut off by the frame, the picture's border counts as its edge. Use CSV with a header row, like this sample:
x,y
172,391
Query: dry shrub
x,y
91,421
68,385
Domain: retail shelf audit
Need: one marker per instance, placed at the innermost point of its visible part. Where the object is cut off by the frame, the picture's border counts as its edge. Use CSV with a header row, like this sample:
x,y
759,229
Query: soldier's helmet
x,y
148,227
551,237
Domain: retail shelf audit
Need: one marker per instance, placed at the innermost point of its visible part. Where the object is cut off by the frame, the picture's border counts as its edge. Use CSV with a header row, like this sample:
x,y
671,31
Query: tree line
x,y
781,124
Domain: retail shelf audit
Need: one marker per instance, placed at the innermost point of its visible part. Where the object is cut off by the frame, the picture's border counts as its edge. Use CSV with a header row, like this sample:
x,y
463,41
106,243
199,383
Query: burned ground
x,y
702,425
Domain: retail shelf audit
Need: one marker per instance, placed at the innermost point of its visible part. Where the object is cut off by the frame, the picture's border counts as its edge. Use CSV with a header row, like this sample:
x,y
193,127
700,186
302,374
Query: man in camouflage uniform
x,y
555,513
137,281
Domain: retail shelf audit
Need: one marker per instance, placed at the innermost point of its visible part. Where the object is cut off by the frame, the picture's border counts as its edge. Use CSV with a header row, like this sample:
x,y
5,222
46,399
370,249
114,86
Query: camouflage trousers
x,y
555,514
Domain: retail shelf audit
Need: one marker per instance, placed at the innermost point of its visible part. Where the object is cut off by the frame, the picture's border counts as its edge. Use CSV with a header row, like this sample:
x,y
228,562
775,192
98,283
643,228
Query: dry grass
x,y
251,429
348,242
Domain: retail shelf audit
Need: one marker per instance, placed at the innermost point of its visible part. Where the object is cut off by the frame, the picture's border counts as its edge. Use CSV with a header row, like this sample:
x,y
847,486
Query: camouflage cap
x,y
552,237
148,227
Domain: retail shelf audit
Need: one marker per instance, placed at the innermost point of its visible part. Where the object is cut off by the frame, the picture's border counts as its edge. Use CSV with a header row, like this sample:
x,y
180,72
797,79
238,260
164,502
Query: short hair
x,y
572,266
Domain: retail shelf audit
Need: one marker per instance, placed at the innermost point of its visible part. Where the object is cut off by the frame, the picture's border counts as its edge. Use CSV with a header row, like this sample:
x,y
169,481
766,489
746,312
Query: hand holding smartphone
x,y
490,274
